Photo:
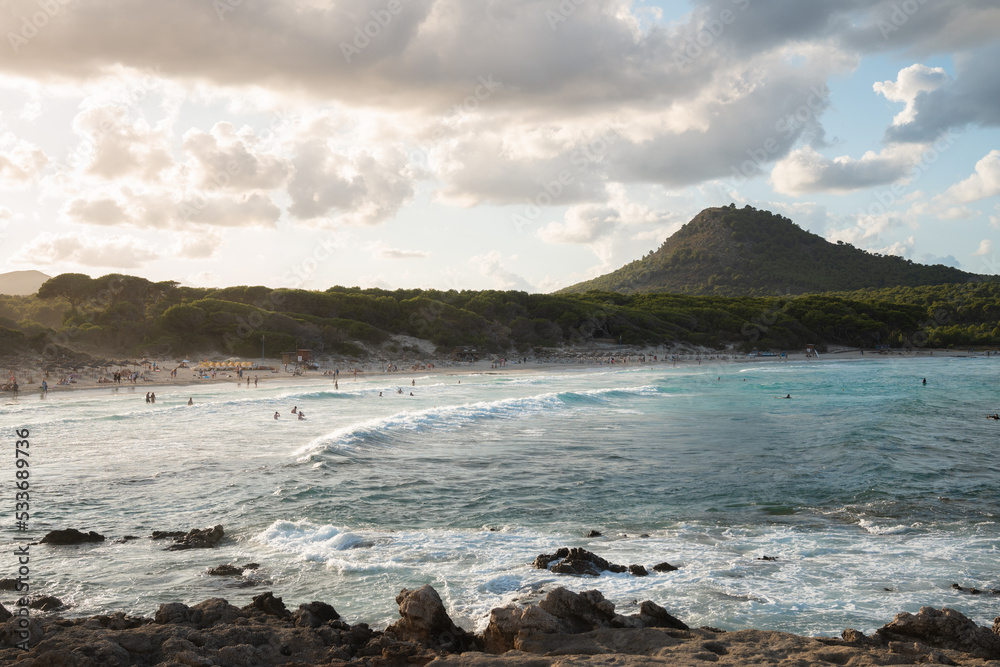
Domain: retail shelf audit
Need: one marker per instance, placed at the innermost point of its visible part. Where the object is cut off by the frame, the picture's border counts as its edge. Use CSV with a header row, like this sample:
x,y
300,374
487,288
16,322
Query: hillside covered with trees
x,y
728,251
123,316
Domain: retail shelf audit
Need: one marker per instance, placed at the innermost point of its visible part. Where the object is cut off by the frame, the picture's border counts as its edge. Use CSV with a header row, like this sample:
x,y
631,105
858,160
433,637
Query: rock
x,y
653,615
996,625
70,536
576,561
638,571
167,534
314,614
8,584
943,628
595,533
664,567
768,558
425,621
509,624
270,605
46,603
198,538
227,570
579,612
4,614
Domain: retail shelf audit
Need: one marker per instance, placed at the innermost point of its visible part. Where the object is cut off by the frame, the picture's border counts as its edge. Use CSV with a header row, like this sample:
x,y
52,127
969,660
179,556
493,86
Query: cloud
x,y
947,260
119,146
381,250
585,223
899,248
985,182
911,82
985,248
866,228
971,98
363,187
157,209
229,159
197,245
805,170
491,266
117,252
21,162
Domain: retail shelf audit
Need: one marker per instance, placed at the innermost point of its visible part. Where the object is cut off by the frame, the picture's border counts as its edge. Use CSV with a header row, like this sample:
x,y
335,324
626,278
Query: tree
x,y
74,287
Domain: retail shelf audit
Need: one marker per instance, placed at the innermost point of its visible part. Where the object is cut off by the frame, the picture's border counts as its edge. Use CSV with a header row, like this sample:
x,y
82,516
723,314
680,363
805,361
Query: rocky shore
x,y
563,629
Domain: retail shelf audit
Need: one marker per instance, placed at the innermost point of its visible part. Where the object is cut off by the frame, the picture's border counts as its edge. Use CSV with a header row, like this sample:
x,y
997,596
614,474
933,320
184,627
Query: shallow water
x,y
865,481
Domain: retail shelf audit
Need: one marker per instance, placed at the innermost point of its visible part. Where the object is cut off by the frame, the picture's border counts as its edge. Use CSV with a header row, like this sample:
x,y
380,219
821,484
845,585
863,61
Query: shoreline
x,y
30,377
562,629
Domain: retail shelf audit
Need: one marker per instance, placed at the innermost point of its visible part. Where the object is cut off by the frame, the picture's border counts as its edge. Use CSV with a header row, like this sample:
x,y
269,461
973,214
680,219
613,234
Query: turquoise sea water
x,y
873,491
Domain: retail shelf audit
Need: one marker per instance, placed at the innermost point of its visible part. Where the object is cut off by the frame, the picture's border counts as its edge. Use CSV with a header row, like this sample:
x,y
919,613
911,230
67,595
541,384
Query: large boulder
x,y
70,536
564,612
425,621
943,628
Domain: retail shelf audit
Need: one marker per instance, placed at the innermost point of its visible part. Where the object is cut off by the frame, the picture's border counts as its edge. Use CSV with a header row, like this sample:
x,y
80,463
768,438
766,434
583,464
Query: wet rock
x,y
198,538
943,628
167,534
425,621
71,536
664,567
768,558
4,614
46,603
637,571
576,561
8,584
227,570
595,533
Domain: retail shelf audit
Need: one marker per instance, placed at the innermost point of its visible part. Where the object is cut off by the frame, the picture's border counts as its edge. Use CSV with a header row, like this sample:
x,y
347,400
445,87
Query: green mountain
x,y
728,251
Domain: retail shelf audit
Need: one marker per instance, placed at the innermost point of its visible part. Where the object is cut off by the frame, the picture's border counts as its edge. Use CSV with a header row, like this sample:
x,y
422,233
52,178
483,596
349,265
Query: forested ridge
x,y
728,251
120,315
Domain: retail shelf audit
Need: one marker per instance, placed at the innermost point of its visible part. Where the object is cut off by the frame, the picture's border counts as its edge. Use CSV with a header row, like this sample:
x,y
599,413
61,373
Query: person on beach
x,y
336,385
413,383
152,397
15,388
276,415
45,388
254,380
295,409
380,394
190,401
147,397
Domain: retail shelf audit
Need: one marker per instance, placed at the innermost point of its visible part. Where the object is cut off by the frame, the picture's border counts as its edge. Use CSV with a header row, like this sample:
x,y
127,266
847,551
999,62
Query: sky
x,y
484,144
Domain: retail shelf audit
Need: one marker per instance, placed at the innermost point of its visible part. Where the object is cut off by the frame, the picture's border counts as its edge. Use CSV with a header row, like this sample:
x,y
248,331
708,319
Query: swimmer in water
x,y
295,409
190,401
302,415
925,381
994,416
276,415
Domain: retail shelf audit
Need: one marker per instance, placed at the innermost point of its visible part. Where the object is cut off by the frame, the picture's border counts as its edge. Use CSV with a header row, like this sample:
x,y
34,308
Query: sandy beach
x,y
96,374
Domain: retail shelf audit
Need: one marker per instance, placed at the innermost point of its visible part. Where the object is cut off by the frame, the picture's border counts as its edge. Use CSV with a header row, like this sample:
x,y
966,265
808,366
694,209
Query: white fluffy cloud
x,y
116,252
362,187
910,82
985,182
491,266
805,170
230,159
985,248
21,162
